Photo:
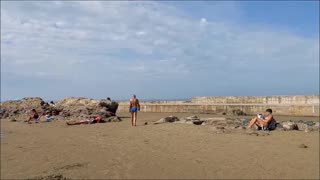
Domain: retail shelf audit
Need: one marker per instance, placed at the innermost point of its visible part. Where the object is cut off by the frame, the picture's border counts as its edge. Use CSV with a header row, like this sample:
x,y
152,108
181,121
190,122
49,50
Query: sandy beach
x,y
165,151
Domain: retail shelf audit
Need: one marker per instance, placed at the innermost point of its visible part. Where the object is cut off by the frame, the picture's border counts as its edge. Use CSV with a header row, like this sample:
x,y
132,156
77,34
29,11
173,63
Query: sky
x,y
158,49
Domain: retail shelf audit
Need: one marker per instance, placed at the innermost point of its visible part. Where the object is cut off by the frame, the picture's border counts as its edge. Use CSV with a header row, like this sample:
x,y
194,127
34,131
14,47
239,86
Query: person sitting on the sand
x,y
94,120
266,122
34,116
49,117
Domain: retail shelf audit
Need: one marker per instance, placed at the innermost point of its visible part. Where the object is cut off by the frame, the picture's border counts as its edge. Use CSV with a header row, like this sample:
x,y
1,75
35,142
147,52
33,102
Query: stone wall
x,y
307,105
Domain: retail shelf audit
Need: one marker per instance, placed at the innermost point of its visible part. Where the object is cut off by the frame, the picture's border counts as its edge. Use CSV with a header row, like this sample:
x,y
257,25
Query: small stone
x,y
303,146
146,123
308,130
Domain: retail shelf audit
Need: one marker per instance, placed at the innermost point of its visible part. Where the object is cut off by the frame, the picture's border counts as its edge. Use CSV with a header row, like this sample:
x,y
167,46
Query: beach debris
x,y
169,119
303,146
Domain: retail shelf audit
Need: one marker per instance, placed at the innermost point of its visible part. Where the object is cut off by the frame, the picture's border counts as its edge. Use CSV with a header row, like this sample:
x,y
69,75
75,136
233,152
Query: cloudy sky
x,y
158,50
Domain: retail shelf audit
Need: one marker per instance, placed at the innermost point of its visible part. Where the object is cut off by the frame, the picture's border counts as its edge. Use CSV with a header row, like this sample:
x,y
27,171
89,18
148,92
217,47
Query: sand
x,y
164,151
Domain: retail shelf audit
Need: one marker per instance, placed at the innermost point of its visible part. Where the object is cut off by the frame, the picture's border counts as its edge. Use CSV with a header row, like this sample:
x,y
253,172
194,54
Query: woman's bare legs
x,y
252,122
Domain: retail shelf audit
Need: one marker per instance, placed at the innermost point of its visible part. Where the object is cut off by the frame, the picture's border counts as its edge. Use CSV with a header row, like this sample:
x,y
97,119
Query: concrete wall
x,y
282,105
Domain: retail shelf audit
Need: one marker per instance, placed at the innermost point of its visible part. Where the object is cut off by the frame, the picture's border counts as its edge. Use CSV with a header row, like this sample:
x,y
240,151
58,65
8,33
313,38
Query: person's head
x,y
134,96
33,110
108,98
51,102
268,112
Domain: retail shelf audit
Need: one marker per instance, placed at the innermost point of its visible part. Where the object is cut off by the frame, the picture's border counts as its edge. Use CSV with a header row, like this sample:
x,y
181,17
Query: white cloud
x,y
70,39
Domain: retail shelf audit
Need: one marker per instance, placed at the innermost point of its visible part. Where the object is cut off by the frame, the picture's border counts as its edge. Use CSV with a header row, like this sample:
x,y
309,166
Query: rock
x,y
245,122
279,125
214,120
113,119
67,107
197,122
85,107
290,125
303,146
308,129
299,121
169,119
192,118
146,123
302,126
238,112
310,123
21,107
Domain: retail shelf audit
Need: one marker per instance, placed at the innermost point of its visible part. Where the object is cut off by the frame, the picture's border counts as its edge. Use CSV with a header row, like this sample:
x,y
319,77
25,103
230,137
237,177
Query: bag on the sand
x,y
272,125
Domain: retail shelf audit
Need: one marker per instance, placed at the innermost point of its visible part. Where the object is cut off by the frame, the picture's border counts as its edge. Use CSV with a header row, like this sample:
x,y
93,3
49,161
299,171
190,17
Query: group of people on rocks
x,y
262,122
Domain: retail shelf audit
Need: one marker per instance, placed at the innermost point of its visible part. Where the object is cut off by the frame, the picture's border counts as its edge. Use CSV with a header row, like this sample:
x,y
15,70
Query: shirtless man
x,y
262,121
134,107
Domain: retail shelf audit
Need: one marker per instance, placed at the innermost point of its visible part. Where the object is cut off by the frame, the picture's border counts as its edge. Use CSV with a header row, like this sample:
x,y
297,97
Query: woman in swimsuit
x,y
134,107
34,116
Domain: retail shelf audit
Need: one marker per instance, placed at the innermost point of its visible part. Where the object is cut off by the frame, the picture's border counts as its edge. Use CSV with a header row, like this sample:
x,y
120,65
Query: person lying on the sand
x,y
86,121
263,122
134,107
34,116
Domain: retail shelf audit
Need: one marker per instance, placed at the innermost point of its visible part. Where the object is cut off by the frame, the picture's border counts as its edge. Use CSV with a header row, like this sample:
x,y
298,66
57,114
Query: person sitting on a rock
x,y
265,123
51,103
86,121
34,116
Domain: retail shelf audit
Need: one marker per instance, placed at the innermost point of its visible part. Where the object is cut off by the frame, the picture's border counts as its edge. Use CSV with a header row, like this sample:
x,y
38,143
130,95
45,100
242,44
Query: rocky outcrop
x,y
16,108
85,107
227,125
72,107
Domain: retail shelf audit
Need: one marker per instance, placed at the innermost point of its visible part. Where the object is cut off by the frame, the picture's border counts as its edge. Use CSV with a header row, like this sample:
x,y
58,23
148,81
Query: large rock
x,y
85,107
21,107
67,107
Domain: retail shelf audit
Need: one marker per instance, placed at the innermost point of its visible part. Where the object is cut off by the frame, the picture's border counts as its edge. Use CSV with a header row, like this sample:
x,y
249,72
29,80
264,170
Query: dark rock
x,y
303,146
310,123
238,112
197,122
279,125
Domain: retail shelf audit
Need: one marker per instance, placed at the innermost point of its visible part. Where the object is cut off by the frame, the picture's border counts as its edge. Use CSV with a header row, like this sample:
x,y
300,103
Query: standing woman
x,y
134,107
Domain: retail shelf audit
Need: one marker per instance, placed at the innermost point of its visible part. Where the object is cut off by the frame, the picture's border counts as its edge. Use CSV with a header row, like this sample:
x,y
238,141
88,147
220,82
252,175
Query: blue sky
x,y
159,50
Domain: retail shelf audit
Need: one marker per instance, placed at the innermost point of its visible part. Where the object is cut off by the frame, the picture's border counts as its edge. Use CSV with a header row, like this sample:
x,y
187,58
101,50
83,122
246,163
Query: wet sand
x,y
164,151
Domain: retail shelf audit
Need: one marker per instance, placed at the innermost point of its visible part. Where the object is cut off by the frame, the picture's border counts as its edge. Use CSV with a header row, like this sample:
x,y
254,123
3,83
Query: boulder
x,y
85,107
169,119
289,125
21,107
67,107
